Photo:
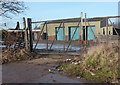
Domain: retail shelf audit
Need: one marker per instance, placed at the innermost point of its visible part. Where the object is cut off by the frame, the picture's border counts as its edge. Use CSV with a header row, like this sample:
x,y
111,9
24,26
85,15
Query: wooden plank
x,y
26,41
16,39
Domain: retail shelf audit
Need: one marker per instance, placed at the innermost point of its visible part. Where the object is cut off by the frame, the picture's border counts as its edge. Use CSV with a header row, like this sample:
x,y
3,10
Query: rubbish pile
x,y
99,64
16,55
56,70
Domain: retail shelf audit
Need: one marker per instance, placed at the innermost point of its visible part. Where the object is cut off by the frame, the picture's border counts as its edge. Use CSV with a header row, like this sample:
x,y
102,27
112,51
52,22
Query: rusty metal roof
x,y
77,19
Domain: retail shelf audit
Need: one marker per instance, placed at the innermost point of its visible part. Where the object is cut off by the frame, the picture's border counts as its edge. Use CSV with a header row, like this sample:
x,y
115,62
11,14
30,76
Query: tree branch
x,y
11,7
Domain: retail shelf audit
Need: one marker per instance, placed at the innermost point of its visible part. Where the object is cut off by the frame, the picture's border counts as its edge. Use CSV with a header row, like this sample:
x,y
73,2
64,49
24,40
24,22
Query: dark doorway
x,y
56,33
84,32
44,36
69,35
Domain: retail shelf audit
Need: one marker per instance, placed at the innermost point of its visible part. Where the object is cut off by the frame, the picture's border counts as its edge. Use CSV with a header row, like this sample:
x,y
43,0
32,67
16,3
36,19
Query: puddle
x,y
56,46
56,78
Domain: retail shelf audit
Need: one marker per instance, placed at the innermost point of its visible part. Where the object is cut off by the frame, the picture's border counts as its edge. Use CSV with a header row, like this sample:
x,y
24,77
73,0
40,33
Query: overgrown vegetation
x,y
99,64
16,55
4,34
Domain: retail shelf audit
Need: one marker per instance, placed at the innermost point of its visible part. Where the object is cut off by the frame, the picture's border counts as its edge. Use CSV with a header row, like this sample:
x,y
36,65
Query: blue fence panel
x,y
76,36
90,35
59,34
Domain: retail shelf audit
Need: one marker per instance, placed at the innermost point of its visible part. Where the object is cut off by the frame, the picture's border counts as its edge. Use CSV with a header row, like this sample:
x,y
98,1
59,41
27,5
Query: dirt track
x,y
35,71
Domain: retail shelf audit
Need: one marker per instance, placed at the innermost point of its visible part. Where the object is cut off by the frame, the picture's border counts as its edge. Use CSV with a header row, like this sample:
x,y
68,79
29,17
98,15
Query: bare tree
x,y
8,7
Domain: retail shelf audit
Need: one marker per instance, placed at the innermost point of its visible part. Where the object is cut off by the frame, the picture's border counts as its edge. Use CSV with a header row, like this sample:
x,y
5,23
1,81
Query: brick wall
x,y
51,37
66,38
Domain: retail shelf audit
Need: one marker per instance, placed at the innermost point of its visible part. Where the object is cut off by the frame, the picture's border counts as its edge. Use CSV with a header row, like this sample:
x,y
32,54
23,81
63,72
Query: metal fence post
x,y
64,35
30,33
85,33
46,36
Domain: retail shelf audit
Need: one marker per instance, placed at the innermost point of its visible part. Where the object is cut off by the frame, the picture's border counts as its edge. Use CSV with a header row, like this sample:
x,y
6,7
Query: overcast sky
x,y
57,10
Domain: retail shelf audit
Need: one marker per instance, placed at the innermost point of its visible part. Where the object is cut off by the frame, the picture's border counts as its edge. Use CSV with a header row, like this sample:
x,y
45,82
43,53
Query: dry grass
x,y
106,53
16,55
100,60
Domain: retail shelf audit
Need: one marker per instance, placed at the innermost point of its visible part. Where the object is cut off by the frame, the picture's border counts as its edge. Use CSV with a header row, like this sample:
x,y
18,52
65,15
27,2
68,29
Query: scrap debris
x,y
99,64
16,55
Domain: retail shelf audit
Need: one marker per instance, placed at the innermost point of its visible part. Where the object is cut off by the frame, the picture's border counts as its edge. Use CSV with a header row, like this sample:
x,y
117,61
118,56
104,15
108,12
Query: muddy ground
x,y
36,71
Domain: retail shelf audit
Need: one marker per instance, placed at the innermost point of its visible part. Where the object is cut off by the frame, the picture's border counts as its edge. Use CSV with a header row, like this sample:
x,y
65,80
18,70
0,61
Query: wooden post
x,y
25,33
85,33
81,28
30,33
17,34
46,36
107,30
64,35
18,26
81,25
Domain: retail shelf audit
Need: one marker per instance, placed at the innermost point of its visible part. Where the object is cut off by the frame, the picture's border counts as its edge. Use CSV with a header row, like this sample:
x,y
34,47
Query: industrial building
x,y
93,27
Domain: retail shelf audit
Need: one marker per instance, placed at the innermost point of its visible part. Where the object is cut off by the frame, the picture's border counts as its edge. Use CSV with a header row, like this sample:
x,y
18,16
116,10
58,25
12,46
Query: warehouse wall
x,y
110,29
51,28
103,23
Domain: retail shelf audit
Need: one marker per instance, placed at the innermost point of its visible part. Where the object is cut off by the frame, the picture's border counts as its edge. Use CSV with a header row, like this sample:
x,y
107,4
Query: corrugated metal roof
x,y
77,19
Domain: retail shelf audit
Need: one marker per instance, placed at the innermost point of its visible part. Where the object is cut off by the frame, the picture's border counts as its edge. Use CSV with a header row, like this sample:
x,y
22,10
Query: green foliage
x,y
105,72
